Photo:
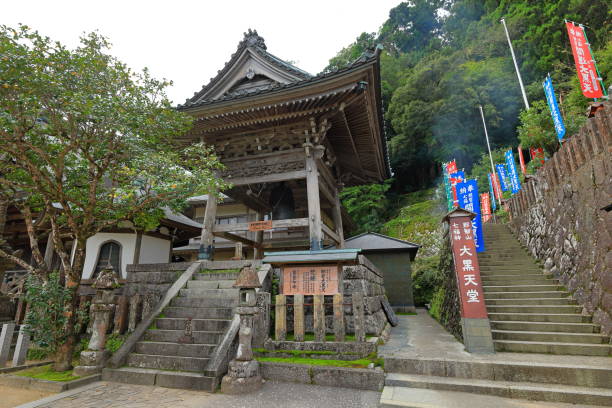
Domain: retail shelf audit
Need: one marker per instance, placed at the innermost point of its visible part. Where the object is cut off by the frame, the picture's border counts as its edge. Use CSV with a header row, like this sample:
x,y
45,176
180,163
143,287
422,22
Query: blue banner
x,y
492,193
458,175
554,108
515,183
502,174
467,193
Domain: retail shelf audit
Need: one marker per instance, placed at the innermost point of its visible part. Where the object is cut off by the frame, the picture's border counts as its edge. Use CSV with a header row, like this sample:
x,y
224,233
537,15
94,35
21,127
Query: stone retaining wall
x,y
560,216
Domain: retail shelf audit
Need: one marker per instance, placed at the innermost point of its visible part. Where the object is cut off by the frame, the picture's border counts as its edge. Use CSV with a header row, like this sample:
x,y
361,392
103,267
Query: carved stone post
x,y
93,359
206,239
243,374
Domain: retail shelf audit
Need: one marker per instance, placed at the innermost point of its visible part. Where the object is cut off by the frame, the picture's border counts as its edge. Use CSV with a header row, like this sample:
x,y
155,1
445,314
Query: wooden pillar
x,y
337,214
259,237
280,318
314,202
206,240
319,318
298,317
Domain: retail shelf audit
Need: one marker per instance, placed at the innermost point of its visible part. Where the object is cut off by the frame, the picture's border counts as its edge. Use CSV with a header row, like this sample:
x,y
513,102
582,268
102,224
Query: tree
x,y
366,205
87,143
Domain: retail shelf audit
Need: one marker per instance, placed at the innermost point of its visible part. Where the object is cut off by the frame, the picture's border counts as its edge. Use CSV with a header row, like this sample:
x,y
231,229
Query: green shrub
x,y
425,279
436,304
114,342
38,354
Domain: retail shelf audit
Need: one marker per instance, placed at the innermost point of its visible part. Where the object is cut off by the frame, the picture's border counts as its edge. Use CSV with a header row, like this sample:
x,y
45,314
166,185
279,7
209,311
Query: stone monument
x,y
243,374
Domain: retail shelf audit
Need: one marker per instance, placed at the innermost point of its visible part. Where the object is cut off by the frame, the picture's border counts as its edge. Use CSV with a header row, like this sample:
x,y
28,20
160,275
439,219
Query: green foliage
x,y
435,309
46,317
425,279
483,167
366,205
440,65
114,342
38,354
46,373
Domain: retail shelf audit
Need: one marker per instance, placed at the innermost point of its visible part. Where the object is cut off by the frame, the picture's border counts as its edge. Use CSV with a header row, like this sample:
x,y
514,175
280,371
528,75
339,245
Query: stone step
x,y
184,301
174,349
522,295
510,270
505,255
160,378
537,280
576,349
211,284
534,301
546,326
538,317
209,293
551,337
512,277
215,276
172,336
196,324
507,389
540,309
521,288
498,369
496,265
199,312
165,362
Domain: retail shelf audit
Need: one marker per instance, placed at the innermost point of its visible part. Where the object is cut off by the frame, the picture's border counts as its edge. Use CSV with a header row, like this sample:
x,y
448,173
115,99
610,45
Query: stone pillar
x,y
312,191
207,237
93,359
135,308
21,349
6,337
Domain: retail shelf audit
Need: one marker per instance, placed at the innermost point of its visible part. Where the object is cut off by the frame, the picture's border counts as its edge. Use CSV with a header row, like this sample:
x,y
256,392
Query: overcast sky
x,y
189,41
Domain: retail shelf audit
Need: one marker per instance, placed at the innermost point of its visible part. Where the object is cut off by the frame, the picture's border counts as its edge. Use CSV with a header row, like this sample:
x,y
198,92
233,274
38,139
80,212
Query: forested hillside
x,y
444,58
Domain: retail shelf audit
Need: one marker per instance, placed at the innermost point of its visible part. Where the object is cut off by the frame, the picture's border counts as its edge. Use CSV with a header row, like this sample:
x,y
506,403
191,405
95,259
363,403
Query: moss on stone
x,y
46,373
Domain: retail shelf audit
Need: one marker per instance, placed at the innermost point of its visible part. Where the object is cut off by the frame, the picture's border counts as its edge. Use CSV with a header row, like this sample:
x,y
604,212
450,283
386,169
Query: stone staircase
x,y
162,356
529,311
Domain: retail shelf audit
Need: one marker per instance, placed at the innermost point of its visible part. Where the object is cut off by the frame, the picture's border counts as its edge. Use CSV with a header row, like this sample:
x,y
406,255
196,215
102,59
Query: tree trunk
x,y
64,355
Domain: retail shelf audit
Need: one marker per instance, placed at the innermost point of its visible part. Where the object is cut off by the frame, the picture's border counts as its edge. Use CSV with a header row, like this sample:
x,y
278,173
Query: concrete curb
x,y
46,385
357,378
24,367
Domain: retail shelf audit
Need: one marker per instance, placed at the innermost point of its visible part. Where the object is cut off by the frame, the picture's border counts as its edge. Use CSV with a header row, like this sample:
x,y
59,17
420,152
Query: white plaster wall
x,y
154,250
92,248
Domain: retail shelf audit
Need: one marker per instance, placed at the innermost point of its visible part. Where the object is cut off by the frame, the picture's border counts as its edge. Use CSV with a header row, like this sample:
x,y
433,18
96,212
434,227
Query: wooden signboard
x,y
260,225
310,279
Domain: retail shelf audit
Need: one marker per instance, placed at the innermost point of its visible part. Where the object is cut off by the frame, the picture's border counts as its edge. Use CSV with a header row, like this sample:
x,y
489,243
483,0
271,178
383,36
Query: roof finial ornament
x,y
253,39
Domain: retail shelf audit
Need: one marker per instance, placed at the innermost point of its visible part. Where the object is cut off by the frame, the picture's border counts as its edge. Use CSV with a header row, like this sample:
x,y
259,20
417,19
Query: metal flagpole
x,y
484,125
518,73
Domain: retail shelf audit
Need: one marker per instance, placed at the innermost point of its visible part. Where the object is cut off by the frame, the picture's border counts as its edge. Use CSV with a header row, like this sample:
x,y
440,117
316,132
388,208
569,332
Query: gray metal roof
x,y
369,241
326,255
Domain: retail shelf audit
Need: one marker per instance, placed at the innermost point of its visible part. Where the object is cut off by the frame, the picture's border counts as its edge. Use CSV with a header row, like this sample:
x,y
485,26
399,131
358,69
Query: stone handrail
x,y
221,356
118,359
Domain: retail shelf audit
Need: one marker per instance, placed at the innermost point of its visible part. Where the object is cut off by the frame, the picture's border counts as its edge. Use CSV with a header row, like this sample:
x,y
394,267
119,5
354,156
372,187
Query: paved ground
x,y
273,394
422,336
11,397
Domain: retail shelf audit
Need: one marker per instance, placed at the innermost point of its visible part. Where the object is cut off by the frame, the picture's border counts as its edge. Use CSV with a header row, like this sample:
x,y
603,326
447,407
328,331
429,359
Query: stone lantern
x,y
93,359
243,374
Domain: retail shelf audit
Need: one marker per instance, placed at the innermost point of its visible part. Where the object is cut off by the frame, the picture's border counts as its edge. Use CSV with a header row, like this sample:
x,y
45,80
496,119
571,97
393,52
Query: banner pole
x,y
518,73
484,125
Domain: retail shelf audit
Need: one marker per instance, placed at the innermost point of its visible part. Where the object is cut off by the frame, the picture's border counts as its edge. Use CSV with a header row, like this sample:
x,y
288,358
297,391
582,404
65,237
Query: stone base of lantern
x,y
243,377
91,362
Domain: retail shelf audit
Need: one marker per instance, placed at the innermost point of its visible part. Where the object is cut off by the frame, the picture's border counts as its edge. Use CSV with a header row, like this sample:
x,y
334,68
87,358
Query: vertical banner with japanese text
x,y
585,65
515,183
537,154
503,176
485,207
549,91
447,187
492,191
456,177
466,268
469,199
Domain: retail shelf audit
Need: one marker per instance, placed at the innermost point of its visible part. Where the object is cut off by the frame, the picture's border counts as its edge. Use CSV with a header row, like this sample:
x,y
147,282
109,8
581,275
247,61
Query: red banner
x,y
496,187
585,65
485,207
522,160
451,167
466,268
453,182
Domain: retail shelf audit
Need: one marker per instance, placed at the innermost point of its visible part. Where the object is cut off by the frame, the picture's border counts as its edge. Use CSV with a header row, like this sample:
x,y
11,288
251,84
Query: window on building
x,y
110,253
